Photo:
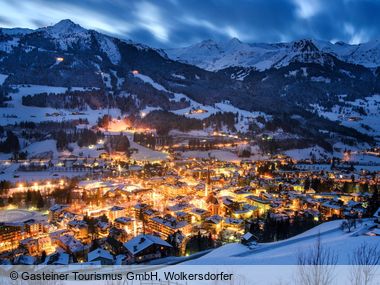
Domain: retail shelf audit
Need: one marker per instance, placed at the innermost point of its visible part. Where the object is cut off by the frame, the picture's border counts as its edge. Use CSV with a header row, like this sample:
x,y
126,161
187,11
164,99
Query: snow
x,y
344,114
302,154
89,152
141,242
66,34
11,174
147,110
41,147
99,253
16,112
144,153
150,81
108,46
15,31
19,215
244,117
286,252
7,46
320,79
179,76
223,155
106,79
3,77
213,56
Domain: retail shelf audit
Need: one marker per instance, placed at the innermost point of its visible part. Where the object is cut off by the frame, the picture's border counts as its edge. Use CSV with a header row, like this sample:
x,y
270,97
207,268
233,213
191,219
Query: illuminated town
x,y
117,209
141,134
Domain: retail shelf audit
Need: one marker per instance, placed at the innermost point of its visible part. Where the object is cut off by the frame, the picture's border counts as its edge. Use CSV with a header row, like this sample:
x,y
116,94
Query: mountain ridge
x,y
264,55
301,81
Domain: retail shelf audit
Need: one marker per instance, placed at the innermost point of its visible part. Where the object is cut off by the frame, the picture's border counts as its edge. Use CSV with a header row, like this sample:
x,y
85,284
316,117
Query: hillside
x,y
307,89
286,252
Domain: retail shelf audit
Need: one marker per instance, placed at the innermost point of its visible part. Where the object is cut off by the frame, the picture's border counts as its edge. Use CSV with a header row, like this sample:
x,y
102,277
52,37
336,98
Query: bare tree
x,y
316,266
364,261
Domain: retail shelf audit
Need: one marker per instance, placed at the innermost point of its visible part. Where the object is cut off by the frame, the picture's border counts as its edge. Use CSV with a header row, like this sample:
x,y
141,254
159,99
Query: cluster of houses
x,y
131,217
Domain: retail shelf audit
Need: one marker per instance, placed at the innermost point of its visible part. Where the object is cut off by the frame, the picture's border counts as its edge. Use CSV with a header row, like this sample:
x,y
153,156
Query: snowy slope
x,y
244,116
315,152
348,115
16,112
286,252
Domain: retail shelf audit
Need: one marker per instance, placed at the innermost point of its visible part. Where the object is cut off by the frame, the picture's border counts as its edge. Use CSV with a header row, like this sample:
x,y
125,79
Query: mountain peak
x,y
65,26
305,45
235,40
66,22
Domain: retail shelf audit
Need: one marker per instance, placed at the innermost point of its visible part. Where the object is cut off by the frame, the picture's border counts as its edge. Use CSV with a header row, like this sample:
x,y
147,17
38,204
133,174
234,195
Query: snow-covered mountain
x,y
214,56
309,79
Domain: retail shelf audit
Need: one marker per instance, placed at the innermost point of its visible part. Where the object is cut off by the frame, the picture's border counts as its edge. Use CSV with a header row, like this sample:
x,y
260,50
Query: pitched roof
x,y
141,242
99,252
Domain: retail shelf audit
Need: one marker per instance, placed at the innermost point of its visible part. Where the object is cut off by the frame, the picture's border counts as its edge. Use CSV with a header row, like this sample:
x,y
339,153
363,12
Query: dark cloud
x,y
182,22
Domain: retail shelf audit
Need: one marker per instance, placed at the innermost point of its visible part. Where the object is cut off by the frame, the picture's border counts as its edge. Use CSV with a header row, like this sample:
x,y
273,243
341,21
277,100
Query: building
x,y
10,235
56,211
147,247
168,225
33,227
116,212
100,255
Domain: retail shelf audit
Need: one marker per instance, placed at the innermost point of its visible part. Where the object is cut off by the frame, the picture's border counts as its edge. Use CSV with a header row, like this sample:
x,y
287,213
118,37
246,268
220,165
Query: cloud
x,y
171,23
150,18
307,8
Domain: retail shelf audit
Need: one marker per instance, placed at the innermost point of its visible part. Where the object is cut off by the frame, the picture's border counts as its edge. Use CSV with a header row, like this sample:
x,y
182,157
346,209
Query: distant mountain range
x,y
308,88
213,55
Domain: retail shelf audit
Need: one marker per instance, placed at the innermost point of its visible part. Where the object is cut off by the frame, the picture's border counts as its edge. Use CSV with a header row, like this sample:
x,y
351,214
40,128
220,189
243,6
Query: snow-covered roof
x,y
99,253
58,258
247,236
141,242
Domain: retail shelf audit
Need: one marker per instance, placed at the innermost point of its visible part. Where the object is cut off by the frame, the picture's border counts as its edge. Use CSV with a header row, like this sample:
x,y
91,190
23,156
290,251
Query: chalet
x,y
99,254
58,258
71,245
146,247
332,208
56,211
248,238
80,228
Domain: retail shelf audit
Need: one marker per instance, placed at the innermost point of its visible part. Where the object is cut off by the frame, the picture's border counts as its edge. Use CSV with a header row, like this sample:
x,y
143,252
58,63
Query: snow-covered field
x,y
223,155
19,215
307,153
287,251
16,112
144,153
11,174
47,146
